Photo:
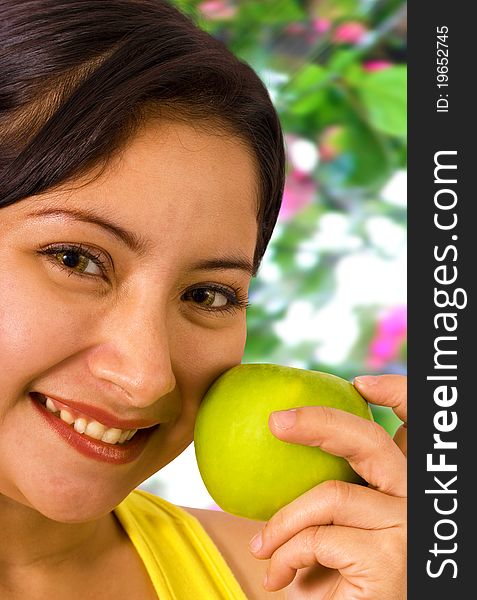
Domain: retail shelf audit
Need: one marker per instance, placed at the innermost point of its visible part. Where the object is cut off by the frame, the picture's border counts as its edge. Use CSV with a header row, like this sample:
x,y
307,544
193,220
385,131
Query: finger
x,y
331,546
400,438
385,390
365,559
364,444
330,503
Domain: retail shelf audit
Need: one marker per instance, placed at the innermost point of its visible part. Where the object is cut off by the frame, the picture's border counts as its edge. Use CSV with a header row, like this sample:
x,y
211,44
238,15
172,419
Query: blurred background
x,y
331,291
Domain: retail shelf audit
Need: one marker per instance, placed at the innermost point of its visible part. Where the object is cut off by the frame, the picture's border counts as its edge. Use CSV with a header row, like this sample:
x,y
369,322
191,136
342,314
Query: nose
x,y
133,353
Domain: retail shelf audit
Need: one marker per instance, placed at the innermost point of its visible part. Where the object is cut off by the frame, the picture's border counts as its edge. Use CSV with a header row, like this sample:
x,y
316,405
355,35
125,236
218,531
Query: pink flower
x,y
300,190
349,33
215,10
388,339
394,323
321,25
377,65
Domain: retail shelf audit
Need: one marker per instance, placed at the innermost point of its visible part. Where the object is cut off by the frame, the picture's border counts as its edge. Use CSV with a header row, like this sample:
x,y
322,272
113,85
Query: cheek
x,y
200,355
37,329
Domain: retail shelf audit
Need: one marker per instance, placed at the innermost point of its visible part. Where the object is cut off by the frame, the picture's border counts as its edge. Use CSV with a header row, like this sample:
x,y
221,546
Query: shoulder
x,y
231,535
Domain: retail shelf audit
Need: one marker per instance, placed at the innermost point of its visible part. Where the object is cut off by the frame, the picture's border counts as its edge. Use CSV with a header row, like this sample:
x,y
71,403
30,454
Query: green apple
x,y
246,469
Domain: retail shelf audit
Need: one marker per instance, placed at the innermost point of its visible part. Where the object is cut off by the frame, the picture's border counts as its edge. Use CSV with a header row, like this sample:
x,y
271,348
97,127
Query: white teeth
x,y
67,417
124,436
95,430
131,433
51,406
80,425
111,436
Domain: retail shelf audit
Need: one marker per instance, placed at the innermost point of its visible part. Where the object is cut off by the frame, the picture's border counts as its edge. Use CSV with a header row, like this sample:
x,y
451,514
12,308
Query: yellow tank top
x,y
180,558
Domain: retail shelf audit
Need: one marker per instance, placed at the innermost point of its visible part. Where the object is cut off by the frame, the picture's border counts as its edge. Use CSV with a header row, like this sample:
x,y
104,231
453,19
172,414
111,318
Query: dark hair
x,y
78,77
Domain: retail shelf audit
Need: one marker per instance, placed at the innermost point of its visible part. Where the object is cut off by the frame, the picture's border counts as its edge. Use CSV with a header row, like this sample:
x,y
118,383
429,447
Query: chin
x,y
68,502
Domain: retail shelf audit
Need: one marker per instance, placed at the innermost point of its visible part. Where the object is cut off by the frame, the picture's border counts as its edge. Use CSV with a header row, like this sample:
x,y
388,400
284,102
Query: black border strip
x,y
436,537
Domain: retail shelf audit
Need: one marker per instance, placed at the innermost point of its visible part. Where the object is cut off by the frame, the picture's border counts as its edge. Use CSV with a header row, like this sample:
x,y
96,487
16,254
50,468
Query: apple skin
x,y
245,468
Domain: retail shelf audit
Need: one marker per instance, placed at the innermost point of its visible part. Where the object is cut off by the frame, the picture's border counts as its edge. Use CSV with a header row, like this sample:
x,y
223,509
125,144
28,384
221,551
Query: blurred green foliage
x,y
336,72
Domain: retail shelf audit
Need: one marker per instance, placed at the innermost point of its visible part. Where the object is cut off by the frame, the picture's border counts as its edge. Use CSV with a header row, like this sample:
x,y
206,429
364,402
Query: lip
x,y
118,454
99,414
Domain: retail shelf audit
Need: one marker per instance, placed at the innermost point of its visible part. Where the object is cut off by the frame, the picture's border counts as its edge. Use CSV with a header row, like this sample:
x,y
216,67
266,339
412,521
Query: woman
x,y
141,171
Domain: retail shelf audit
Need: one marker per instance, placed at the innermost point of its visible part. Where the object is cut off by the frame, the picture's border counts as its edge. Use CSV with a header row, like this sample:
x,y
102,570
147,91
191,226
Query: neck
x,y
31,540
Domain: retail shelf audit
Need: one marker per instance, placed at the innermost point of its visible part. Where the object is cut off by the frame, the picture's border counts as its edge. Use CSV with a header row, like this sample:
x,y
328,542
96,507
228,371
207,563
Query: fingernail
x,y
366,380
265,580
284,418
256,542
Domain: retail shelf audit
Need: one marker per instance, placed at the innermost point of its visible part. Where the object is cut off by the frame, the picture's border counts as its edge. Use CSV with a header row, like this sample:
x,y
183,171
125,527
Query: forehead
x,y
179,181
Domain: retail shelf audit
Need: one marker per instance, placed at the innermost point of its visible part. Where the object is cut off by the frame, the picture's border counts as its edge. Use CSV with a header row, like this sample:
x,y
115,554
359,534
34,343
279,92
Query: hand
x,y
342,541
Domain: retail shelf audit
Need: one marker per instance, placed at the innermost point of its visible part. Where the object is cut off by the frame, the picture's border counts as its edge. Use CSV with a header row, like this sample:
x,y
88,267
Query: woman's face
x,y
123,323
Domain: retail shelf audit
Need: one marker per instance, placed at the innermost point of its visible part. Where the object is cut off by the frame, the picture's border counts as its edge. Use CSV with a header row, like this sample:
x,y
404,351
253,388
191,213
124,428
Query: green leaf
x,y
342,59
365,161
260,343
383,94
308,78
270,11
371,161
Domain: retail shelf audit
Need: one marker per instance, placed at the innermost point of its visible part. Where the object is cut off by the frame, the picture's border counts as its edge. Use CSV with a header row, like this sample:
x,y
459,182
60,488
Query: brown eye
x,y
77,259
208,297
215,299
73,259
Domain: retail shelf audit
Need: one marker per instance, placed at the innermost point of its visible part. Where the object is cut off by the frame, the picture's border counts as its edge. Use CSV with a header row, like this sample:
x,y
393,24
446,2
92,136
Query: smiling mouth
x,y
86,425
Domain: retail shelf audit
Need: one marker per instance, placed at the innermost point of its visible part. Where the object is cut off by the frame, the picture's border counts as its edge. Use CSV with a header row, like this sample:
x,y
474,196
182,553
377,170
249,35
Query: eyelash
x,y
237,299
88,253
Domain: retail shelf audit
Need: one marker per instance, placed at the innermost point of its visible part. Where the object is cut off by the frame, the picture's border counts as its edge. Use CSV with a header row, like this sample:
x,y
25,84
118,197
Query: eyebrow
x,y
139,244
132,240
225,263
